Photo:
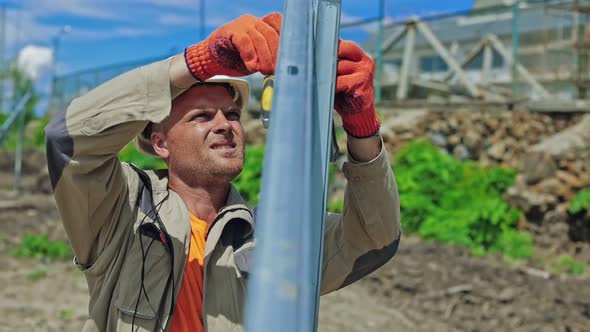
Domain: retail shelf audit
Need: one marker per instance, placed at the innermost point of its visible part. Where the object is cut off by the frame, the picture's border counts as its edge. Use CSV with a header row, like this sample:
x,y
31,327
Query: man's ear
x,y
159,144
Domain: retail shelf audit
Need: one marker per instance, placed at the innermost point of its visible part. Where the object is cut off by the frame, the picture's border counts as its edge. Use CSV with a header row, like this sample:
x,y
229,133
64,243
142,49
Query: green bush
x,y
34,142
131,155
458,202
248,182
336,206
30,143
66,314
38,139
21,85
39,246
580,202
567,264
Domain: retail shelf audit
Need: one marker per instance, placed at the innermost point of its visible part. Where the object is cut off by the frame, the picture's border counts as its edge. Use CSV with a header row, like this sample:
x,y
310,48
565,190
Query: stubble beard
x,y
211,171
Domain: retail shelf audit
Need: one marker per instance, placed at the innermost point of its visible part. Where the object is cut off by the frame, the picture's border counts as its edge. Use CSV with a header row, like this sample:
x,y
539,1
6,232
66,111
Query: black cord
x,y
143,259
142,280
170,247
168,243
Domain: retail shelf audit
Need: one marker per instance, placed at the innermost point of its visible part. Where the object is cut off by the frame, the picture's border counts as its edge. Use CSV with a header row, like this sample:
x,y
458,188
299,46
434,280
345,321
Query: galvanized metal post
x,y
14,117
515,46
55,46
486,70
19,114
379,62
2,52
327,28
284,286
18,161
52,89
402,85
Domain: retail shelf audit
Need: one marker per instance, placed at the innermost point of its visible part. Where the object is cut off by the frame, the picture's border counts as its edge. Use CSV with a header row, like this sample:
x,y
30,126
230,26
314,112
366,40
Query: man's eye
x,y
200,116
233,115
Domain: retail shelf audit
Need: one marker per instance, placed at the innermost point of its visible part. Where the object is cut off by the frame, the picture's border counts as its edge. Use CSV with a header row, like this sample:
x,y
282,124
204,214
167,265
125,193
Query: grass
x,y
66,314
38,274
568,265
40,247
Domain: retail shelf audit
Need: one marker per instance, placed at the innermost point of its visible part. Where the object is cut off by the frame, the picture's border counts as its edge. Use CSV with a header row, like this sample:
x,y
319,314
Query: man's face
x,y
202,141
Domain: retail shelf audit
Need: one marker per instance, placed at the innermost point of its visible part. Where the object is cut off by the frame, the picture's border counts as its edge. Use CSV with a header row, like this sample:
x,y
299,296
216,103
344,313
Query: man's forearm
x,y
180,76
364,149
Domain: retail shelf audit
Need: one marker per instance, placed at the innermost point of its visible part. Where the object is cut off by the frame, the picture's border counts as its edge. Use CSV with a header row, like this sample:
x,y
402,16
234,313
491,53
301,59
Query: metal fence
x,y
551,39
70,86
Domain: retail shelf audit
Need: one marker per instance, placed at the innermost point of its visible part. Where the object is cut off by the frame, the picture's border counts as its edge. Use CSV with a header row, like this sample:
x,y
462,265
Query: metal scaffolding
x,y
580,12
529,35
548,40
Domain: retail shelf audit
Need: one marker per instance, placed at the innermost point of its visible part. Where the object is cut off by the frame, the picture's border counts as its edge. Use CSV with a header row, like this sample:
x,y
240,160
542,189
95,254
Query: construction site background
x,y
550,39
491,155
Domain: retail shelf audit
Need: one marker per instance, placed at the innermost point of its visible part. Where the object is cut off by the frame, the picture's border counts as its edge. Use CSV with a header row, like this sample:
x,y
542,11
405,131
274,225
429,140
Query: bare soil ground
x,y
427,286
434,287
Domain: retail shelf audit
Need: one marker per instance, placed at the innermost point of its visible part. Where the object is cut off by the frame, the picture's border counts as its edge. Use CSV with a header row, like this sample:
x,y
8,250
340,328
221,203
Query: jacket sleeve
x,y
367,234
90,184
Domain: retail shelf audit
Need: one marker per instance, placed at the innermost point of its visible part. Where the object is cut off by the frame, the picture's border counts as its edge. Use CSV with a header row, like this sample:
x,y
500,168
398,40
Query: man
x,y
169,250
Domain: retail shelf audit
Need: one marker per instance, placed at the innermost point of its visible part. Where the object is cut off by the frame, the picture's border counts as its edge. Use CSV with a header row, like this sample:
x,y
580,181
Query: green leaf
x,y
580,202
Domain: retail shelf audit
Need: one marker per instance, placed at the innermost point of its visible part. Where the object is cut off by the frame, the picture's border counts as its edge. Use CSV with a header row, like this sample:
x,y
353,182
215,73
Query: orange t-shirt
x,y
188,312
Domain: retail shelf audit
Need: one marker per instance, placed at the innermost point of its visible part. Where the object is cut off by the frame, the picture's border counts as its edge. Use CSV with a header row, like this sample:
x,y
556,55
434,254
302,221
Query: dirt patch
x,y
427,287
56,302
448,284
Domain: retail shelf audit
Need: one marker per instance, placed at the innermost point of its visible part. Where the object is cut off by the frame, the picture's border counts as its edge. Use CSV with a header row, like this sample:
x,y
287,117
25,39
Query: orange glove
x,y
241,47
354,99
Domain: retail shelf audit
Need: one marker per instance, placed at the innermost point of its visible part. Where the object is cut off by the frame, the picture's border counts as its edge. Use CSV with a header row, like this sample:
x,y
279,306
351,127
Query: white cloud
x,y
367,27
23,28
175,19
185,4
104,9
27,23
345,18
34,60
129,32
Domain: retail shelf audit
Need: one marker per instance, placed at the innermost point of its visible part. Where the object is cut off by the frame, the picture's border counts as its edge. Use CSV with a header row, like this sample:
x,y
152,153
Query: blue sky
x,y
114,31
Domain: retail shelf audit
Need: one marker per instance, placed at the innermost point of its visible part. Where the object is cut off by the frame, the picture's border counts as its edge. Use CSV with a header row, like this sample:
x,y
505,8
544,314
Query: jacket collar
x,y
234,202
235,207
234,197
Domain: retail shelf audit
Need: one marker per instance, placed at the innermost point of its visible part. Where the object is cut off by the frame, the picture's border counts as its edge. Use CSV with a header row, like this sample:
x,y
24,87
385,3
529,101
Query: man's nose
x,y
221,122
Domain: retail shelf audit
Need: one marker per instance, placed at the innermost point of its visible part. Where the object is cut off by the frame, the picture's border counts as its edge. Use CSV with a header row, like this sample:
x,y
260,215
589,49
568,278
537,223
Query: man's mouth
x,y
223,145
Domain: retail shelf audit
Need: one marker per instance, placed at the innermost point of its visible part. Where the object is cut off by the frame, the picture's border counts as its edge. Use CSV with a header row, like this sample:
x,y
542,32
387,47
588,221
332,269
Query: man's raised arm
x,y
91,186
366,235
